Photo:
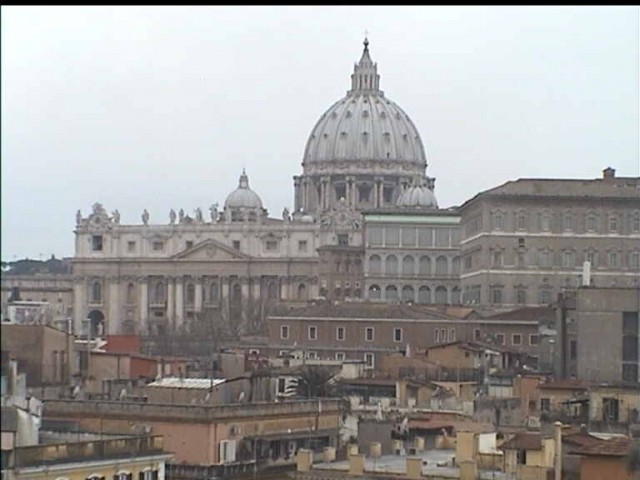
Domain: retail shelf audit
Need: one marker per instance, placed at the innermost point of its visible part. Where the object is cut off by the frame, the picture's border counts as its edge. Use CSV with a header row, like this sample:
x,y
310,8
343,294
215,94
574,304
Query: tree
x,y
317,381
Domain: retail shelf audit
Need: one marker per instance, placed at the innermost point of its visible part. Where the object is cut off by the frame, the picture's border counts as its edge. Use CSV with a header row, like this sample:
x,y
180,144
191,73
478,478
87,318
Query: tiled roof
x,y
568,384
523,441
614,447
620,187
328,309
527,313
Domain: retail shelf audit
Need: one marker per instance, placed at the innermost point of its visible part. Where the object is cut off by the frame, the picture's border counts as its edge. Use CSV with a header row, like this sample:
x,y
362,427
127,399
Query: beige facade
x,y
206,435
412,256
124,458
370,330
526,241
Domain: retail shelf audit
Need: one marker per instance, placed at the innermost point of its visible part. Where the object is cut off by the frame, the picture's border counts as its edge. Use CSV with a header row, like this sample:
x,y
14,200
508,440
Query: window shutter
x,y
141,476
154,475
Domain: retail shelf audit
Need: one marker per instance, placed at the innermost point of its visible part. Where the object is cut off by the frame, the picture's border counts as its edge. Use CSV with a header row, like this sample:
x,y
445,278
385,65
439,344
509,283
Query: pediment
x,y
212,251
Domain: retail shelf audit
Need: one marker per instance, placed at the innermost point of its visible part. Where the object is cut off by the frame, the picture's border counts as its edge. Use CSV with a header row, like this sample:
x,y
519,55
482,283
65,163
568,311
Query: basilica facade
x,y
229,267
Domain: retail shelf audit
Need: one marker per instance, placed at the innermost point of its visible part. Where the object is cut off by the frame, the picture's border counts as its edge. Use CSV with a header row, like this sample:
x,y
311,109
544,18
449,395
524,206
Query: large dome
x,y
365,125
243,196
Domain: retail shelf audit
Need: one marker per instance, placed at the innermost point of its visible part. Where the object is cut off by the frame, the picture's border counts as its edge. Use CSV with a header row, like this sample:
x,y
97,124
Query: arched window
x,y
214,292
337,293
441,295
425,265
374,292
272,291
391,265
131,294
391,292
455,296
302,291
442,265
375,265
191,294
424,294
96,292
408,265
408,294
455,266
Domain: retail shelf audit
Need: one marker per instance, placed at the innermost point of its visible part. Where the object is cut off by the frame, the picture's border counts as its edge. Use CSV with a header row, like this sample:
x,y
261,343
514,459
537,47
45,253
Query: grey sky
x,y
162,107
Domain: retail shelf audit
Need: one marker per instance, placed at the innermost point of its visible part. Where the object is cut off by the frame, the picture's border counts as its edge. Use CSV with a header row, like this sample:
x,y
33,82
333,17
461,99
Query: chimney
x,y
609,173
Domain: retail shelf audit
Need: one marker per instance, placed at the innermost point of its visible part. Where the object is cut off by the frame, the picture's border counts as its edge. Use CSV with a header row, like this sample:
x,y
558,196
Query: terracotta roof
x,y
527,313
523,441
327,309
618,187
614,447
457,425
568,384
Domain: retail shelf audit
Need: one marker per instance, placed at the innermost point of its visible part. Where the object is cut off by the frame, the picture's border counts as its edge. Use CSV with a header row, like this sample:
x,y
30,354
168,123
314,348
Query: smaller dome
x,y
417,196
243,196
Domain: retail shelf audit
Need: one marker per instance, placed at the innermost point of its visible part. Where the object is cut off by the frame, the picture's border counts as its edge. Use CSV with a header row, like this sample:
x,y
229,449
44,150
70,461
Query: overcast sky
x,y
162,107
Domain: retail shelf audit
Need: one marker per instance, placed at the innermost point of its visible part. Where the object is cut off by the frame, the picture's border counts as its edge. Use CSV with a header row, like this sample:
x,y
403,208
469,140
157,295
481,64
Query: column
x,y
179,303
79,303
354,193
114,318
171,302
198,297
296,195
305,194
144,305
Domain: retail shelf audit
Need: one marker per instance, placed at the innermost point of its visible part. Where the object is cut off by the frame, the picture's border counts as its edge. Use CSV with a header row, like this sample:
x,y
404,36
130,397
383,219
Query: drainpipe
x,y
557,431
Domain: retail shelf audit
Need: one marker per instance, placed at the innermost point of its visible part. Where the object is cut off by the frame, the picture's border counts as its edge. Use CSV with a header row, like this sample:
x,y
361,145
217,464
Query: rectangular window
x,y
613,260
521,296
96,243
313,333
369,334
374,236
340,356
592,223
236,244
545,296
392,236
311,355
436,335
369,360
534,339
188,244
521,243
545,405
592,258
302,245
634,260
500,338
452,334
567,259
397,334
516,339
521,222
443,335
442,237
498,221
343,239
613,224
284,331
131,246
610,409
157,245
573,349
340,333
425,237
496,258
496,296
282,385
408,236
271,245
477,335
